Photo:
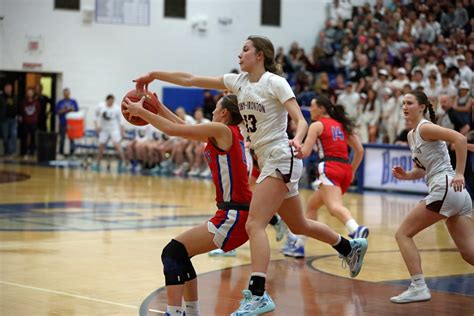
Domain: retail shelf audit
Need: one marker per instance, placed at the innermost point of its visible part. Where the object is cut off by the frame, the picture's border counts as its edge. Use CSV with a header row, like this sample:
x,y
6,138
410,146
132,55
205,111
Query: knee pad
x,y
177,266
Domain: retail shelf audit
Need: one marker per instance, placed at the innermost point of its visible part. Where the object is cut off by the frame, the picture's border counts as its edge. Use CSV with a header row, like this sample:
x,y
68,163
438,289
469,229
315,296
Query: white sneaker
x,y
194,172
413,294
206,173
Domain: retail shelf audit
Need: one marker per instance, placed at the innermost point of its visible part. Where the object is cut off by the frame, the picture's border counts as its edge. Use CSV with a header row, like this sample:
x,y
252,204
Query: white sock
x,y
301,241
192,308
338,241
174,310
418,280
351,225
290,235
260,274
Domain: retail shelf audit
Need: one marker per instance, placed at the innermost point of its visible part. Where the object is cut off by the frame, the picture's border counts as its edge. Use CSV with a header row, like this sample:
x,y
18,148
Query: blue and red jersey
x,y
333,140
229,170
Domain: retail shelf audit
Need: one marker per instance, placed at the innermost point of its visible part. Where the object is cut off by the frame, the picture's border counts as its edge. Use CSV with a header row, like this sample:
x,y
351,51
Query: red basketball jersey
x,y
229,170
333,140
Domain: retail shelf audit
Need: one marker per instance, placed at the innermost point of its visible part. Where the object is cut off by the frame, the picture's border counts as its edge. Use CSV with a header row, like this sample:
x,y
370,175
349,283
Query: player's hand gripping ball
x,y
150,103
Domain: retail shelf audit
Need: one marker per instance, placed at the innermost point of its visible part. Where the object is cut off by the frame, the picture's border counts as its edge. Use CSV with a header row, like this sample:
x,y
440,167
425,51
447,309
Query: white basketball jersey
x,y
108,118
261,106
431,156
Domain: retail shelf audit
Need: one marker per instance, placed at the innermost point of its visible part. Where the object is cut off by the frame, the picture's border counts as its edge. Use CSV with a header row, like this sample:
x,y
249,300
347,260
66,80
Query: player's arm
x,y
296,115
164,111
201,132
180,78
401,174
354,142
435,132
315,129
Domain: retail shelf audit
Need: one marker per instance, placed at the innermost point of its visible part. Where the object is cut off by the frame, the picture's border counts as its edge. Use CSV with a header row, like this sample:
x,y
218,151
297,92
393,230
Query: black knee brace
x,y
177,266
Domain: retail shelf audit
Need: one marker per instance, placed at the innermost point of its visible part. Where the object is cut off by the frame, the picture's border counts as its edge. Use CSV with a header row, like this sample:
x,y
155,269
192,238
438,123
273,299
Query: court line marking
x,y
67,294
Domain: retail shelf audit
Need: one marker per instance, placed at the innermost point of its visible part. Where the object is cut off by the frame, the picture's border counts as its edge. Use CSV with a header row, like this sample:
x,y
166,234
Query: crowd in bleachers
x,y
367,57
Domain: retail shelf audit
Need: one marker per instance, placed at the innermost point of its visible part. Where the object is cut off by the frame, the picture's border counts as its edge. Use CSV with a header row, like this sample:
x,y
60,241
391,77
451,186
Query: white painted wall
x,y
1,32
98,59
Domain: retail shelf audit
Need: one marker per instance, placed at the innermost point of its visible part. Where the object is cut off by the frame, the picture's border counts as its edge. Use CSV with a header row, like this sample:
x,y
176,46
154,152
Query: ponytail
x,y
274,67
337,113
431,111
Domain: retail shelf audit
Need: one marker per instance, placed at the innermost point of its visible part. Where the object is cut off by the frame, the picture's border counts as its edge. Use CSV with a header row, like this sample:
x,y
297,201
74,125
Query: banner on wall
x,y
378,163
127,12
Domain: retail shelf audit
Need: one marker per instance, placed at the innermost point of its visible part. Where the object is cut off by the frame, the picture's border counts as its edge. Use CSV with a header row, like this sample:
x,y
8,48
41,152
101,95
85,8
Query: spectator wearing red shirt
x,y
29,114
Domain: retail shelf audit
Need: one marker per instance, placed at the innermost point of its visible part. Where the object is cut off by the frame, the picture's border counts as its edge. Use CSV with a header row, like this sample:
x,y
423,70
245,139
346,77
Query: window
x,y
67,4
271,12
175,9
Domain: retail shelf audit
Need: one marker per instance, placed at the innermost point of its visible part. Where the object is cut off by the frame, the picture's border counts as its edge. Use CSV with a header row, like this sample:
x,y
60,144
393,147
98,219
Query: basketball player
x,y
108,126
276,222
265,100
333,132
226,230
447,198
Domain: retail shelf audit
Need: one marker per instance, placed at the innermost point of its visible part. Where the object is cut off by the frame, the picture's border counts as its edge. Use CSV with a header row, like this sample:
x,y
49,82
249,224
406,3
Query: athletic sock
x,y
174,310
257,283
301,241
192,308
274,220
351,225
418,280
343,246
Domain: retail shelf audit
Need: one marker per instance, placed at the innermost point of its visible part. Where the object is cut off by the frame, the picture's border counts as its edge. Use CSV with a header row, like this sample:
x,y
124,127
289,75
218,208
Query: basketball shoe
x,y
413,294
252,305
355,258
221,253
280,229
360,232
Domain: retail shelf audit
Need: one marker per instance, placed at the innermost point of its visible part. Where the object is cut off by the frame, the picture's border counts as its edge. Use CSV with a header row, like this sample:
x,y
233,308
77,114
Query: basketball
x,y
150,103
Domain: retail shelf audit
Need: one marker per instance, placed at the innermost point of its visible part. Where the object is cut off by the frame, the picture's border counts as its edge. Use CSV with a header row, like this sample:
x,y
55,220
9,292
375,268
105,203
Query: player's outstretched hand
x,y
142,82
458,182
132,108
399,173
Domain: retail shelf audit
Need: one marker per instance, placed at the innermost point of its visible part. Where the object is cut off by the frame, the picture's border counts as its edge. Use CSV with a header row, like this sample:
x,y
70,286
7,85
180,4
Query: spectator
x,y
447,20
381,83
8,119
29,115
461,17
209,104
463,102
432,89
417,79
465,73
425,31
63,107
44,113
349,99
389,116
450,118
446,86
341,10
401,79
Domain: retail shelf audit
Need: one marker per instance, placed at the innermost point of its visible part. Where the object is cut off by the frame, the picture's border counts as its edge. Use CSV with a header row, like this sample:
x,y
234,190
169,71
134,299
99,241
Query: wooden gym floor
x,y
76,242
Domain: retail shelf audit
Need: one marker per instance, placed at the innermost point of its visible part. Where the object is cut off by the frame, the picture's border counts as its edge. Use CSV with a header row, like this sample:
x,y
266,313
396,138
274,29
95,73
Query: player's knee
x,y
401,235
177,266
252,226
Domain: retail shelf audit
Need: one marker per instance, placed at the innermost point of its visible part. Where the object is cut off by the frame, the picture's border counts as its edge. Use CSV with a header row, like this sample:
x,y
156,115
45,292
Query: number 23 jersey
x,y
261,106
431,156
